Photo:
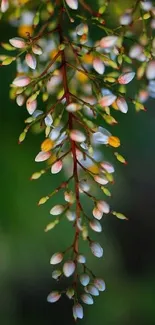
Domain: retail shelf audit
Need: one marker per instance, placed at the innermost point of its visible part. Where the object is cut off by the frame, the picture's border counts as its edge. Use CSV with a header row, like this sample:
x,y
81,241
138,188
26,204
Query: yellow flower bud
x,y
47,145
114,141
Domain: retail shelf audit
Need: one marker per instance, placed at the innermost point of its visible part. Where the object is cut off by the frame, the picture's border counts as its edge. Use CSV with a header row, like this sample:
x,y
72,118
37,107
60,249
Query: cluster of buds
x,y
81,83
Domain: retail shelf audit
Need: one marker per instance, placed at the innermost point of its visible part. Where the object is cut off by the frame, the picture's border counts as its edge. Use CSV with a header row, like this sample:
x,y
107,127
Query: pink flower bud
x,y
103,206
73,4
108,41
99,284
84,279
108,167
77,311
95,225
96,249
77,136
68,268
122,104
42,156
21,81
53,296
56,167
125,78
101,180
31,106
93,290
81,259
150,70
56,258
98,65
97,214
31,61
107,100
17,42
57,209
87,299
20,99
36,49
4,5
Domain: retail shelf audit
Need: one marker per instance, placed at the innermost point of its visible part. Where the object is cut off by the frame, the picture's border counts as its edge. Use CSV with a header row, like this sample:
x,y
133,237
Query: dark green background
x,y
129,263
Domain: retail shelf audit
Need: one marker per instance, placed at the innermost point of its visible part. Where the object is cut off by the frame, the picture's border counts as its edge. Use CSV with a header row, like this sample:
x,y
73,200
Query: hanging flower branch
x,y
81,81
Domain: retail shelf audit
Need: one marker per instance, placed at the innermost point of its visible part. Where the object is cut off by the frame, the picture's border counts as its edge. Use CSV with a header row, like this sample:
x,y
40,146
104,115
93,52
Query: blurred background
x,y
128,266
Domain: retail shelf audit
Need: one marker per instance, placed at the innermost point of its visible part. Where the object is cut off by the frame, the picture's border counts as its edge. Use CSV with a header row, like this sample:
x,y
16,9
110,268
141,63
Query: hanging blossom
x,y
81,83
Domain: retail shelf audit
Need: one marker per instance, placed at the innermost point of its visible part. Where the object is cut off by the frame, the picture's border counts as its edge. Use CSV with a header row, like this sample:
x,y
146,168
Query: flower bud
x,y
57,209
56,167
96,249
97,213
87,299
122,104
53,296
98,65
108,167
69,197
4,5
70,293
31,61
125,78
84,186
82,29
73,4
17,42
146,5
77,311
135,51
92,290
119,215
42,156
81,259
21,81
103,206
99,284
108,41
43,200
101,179
71,216
77,136
31,106
56,274
48,120
107,100
20,99
22,137
51,225
68,268
150,70
73,107
56,258
95,225
36,175
84,279
36,49
125,19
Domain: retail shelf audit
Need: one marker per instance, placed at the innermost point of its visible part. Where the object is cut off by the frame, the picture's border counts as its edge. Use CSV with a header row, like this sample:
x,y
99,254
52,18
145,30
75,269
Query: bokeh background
x,y
128,266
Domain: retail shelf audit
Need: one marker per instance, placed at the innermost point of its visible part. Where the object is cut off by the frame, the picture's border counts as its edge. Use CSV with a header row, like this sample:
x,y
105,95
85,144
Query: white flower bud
x,y
92,290
84,186
125,19
95,225
135,51
71,216
73,107
73,4
84,279
99,284
101,179
4,5
81,259
31,106
53,296
108,167
36,49
107,100
150,70
97,213
87,299
20,99
69,197
125,78
77,311
77,136
56,274
103,206
48,120
122,104
56,258
108,41
146,5
31,61
42,156
68,268
56,167
96,249
17,42
57,209
21,81
98,65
